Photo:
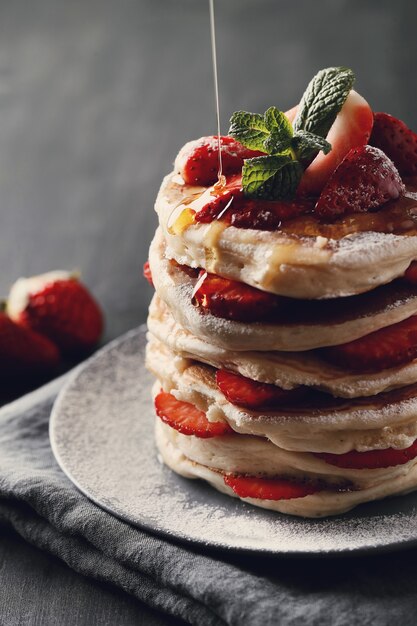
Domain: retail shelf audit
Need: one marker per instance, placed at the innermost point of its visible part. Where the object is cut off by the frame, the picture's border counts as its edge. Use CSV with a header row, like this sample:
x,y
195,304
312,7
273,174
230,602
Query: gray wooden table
x,y
96,97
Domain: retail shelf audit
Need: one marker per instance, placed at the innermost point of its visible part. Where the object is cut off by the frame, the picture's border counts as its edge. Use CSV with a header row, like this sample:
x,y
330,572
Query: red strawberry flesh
x,y
398,142
251,394
411,273
188,419
269,488
372,459
198,161
366,179
147,273
234,300
385,348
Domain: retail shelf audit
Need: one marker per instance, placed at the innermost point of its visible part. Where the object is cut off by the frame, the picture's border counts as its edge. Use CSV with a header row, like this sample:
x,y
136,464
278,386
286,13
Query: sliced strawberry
x,y
372,459
232,300
364,180
198,161
411,273
58,306
147,273
383,349
242,212
23,351
398,142
351,129
219,200
187,419
252,394
269,488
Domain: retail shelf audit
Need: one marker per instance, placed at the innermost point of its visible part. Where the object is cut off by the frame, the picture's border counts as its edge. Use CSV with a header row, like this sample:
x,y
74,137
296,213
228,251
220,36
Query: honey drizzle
x,y
221,180
183,213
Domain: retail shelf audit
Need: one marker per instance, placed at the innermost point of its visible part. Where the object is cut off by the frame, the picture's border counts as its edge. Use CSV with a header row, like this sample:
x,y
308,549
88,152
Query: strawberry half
x,y
351,129
147,273
58,306
269,488
252,394
187,419
232,300
383,349
373,459
398,142
198,161
23,351
364,180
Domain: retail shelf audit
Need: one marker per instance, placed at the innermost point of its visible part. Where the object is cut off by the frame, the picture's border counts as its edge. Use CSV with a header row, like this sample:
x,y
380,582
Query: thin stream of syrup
x,y
221,180
182,214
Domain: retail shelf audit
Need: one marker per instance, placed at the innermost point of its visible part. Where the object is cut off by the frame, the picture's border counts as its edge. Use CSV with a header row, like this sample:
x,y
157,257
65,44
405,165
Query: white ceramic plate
x,y
102,436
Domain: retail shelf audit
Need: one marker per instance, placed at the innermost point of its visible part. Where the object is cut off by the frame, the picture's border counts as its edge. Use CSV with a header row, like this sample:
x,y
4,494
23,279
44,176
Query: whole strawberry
x,y
23,351
398,142
58,306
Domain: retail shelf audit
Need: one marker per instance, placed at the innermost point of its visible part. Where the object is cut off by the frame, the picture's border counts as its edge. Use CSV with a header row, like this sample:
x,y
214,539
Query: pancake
x,y
321,504
302,260
284,369
378,422
300,326
256,456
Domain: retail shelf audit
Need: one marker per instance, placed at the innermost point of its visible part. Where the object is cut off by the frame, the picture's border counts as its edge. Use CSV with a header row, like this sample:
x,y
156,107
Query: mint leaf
x,y
271,177
277,143
277,120
323,99
249,128
307,146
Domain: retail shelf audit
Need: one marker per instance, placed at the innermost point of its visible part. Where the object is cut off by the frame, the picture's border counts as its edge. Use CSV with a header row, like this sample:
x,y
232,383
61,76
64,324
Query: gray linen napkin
x,y
42,505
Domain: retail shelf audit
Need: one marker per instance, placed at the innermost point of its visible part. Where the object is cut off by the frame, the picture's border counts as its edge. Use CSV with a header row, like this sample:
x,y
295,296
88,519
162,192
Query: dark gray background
x,y
96,98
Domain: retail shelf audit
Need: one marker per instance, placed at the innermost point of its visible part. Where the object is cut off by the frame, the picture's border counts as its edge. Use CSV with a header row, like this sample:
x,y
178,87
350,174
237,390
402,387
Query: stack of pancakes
x,y
335,283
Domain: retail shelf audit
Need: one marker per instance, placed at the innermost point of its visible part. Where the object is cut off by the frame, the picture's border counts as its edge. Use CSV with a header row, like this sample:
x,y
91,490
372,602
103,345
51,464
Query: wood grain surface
x,y
96,98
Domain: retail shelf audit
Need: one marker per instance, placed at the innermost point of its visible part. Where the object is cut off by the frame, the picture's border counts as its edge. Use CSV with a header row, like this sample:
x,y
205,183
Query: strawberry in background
x,y
24,352
59,307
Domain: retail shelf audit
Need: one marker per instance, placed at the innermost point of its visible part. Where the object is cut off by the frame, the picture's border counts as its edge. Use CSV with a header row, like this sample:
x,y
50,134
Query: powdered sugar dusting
x,y
102,435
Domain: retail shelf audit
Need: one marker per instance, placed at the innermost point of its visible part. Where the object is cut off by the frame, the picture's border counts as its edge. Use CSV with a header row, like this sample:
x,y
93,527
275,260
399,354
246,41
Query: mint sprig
x,y
288,148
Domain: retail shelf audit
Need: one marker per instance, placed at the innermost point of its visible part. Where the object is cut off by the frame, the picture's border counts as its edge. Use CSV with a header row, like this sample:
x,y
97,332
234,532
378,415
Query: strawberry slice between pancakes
x,y
147,273
382,349
269,488
187,419
372,459
398,142
411,273
251,394
233,300
198,161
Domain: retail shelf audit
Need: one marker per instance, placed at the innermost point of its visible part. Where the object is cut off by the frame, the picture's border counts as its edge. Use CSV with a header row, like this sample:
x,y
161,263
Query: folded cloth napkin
x,y
201,587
